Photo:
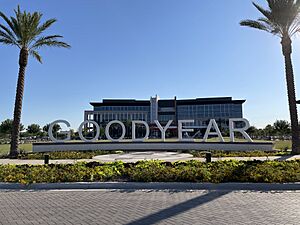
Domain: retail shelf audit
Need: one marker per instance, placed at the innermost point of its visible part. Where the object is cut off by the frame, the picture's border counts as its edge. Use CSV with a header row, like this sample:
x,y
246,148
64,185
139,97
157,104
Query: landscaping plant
x,y
25,31
155,171
282,18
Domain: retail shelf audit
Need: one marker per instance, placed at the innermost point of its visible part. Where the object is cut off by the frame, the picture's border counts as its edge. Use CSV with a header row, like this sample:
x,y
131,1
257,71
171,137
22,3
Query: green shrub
x,y
155,171
226,171
273,172
66,154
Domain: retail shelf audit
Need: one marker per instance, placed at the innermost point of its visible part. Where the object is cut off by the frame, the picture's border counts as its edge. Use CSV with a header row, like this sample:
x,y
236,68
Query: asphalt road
x,y
149,207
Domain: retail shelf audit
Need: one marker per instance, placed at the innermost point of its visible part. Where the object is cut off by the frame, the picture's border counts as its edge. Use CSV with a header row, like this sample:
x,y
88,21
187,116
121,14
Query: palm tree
x,y
283,20
25,31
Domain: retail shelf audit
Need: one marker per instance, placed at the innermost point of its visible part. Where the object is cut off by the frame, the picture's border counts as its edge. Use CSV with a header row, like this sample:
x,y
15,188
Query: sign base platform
x,y
152,146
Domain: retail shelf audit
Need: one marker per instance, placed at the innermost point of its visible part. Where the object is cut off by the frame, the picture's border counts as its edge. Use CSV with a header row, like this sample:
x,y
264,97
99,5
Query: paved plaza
x,y
137,156
176,156
149,207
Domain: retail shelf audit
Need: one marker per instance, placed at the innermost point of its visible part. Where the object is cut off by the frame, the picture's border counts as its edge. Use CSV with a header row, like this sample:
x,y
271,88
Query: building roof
x,y
121,102
218,100
167,102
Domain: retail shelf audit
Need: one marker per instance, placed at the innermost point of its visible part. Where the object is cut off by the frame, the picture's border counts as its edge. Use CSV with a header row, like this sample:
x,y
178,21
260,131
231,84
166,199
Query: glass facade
x,y
103,117
166,118
201,110
203,113
122,108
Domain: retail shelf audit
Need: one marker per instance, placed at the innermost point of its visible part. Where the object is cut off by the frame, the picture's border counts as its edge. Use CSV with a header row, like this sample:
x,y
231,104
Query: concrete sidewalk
x,y
41,162
152,186
174,156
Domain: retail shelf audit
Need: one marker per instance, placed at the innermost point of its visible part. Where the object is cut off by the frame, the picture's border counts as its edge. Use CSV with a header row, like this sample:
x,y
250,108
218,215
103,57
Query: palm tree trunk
x,y
287,51
15,135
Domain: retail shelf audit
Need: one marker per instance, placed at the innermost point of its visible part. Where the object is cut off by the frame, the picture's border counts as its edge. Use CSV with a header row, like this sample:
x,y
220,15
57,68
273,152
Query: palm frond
x,y
17,29
6,41
266,13
45,26
254,24
34,22
25,29
295,25
36,55
51,40
8,37
43,39
51,43
8,31
281,18
6,19
272,27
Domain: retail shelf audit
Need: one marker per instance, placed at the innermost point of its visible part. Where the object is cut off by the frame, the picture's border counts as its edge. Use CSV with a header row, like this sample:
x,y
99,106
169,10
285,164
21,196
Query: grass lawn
x,y
282,145
4,149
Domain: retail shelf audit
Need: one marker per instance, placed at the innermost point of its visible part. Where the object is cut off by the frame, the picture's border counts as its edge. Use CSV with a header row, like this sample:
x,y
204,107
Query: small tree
x,y
252,131
6,127
56,128
269,131
33,129
282,127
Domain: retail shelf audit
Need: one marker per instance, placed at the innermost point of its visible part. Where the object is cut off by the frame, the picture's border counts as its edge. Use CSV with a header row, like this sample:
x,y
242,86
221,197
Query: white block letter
x,y
242,130
163,129
133,130
50,131
107,130
212,123
80,129
181,129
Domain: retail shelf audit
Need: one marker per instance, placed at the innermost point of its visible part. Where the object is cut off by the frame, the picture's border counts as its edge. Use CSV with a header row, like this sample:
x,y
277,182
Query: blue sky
x,y
136,49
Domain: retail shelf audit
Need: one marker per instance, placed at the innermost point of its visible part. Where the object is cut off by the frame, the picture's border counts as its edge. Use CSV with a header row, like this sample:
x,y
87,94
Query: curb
x,y
153,186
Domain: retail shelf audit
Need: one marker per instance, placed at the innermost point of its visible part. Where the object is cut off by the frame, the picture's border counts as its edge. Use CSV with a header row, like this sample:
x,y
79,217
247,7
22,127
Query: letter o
x,y
80,129
107,130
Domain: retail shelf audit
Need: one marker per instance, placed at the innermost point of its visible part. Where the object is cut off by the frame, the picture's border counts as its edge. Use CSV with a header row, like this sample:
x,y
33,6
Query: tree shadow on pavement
x,y
179,208
284,157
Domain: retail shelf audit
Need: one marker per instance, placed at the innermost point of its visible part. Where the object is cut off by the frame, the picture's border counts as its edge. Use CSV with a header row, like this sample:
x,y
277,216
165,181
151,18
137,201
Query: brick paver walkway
x,y
149,207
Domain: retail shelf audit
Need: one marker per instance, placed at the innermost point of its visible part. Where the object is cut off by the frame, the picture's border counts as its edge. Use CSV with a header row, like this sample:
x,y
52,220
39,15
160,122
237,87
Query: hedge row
x,y
63,154
155,171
